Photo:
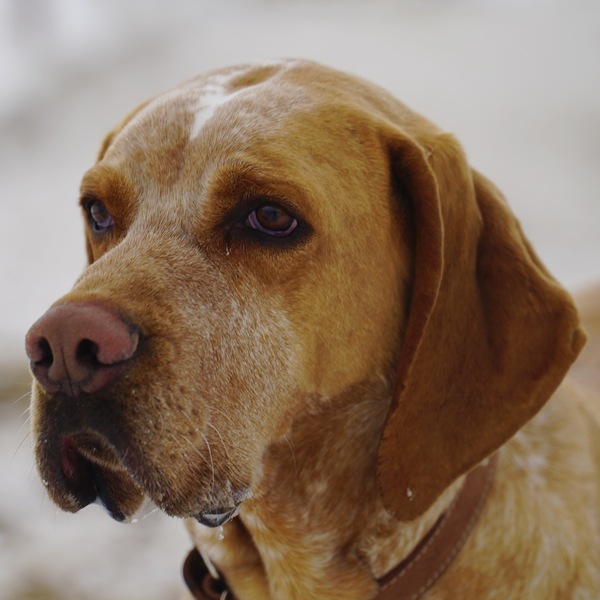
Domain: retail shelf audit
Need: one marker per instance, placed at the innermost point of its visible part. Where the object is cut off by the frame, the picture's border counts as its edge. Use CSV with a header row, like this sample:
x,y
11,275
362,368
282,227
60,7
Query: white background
x,y
518,81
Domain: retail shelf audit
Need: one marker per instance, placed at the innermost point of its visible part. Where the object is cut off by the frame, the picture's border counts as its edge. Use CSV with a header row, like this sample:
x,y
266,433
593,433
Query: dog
x,y
311,329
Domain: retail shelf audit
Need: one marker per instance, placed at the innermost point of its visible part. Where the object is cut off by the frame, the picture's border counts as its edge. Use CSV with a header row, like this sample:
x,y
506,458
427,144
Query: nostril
x,y
45,352
86,353
40,353
43,360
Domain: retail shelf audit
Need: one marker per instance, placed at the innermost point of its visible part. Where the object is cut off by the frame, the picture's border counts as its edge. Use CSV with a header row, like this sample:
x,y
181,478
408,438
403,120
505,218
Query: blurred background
x,y
518,81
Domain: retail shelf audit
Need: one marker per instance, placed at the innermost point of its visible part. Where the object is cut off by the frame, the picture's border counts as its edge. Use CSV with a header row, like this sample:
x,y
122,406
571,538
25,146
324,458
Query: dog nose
x,y
80,347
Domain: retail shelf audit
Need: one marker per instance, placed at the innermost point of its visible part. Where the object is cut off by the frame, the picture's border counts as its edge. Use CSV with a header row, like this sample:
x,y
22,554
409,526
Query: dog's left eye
x,y
272,220
100,217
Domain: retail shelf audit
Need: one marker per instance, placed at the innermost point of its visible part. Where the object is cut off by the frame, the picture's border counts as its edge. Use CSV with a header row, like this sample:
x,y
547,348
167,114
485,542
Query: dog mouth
x,y
98,453
88,469
92,472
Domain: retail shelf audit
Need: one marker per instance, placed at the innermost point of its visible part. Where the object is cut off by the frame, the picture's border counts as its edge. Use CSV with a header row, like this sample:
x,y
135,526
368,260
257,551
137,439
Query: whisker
x,y
220,437
226,416
291,447
212,464
20,444
28,393
190,443
33,477
208,446
27,410
24,424
27,434
188,416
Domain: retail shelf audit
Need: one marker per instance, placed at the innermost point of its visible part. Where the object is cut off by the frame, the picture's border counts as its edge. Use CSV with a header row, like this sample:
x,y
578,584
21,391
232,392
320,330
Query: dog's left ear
x,y
489,337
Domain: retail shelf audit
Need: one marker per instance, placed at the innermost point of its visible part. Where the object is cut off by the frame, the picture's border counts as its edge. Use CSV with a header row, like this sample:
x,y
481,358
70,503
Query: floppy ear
x,y
489,337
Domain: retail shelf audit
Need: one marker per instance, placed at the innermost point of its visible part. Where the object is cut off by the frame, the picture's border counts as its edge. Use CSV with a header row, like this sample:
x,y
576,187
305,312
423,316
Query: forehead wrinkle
x,y
222,87
214,96
152,149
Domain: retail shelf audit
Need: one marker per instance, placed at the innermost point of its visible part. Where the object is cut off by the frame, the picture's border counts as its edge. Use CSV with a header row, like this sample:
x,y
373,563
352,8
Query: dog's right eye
x,y
100,218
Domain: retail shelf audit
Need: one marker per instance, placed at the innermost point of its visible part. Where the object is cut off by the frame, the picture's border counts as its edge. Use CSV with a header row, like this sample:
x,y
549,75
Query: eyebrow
x,y
105,183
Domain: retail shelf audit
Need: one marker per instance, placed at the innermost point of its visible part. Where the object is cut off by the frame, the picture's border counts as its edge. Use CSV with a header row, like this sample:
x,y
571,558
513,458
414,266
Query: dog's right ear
x,y
490,334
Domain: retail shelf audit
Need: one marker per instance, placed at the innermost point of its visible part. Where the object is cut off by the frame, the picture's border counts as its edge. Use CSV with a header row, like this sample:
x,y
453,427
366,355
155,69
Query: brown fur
x,y
349,380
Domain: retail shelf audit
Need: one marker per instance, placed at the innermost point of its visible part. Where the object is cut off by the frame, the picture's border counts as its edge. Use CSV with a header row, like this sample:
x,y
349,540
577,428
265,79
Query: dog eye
x,y
99,216
272,220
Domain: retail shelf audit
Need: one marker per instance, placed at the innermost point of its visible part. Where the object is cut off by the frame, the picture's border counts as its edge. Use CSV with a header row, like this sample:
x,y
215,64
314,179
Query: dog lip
x,y
218,517
92,478
78,474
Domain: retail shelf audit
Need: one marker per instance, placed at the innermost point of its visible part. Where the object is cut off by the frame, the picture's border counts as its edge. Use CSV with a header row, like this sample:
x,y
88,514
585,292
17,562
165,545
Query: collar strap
x,y
434,554
415,574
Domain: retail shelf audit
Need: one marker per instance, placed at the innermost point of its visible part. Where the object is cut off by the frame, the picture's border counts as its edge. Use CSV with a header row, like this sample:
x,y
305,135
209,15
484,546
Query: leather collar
x,y
415,574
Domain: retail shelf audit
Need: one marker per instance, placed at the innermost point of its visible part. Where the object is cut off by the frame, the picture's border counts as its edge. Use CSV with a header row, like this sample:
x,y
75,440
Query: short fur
x,y
347,379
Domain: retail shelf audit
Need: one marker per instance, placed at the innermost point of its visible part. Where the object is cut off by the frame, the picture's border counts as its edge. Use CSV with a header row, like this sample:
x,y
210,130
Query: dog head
x,y
265,235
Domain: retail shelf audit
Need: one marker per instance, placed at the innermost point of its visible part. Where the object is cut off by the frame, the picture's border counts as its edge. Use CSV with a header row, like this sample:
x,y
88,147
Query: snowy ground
x,y
516,80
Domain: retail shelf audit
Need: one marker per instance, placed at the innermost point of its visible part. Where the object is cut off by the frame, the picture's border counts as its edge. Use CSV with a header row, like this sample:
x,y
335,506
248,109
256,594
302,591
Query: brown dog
x,y
305,309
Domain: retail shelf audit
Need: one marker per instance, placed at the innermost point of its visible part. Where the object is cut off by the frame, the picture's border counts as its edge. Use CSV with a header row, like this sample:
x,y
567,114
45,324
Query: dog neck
x,y
316,526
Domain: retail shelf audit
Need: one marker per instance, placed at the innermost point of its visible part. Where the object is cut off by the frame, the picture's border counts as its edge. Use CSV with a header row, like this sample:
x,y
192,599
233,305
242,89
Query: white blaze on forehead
x,y
202,101
214,95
